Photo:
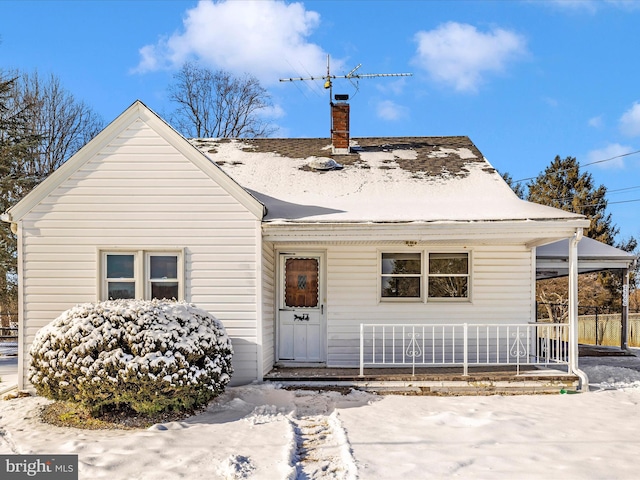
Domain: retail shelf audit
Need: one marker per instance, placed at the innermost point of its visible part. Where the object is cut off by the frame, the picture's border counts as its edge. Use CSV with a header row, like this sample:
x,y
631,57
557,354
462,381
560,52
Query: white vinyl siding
x,y
268,306
141,194
501,282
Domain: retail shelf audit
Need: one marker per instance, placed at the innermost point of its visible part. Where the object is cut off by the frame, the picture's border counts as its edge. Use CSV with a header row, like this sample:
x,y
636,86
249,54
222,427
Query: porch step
x,y
433,383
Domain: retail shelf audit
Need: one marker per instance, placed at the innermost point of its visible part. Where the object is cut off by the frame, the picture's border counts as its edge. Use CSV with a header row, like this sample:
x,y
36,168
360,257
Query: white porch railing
x,y
465,345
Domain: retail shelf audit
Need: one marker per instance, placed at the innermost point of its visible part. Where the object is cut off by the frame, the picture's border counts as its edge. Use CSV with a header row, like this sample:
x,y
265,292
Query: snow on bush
x,y
151,356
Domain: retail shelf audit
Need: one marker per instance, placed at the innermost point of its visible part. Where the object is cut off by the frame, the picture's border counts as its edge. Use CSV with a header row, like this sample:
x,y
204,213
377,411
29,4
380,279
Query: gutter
x,y
6,217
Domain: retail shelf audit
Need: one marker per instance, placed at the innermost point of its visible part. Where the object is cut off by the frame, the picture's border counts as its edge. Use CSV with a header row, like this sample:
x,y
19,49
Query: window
x,y
162,276
120,281
142,274
448,275
401,275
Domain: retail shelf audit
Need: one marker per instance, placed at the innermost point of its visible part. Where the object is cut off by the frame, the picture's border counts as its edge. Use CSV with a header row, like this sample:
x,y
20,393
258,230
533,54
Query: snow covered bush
x,y
151,356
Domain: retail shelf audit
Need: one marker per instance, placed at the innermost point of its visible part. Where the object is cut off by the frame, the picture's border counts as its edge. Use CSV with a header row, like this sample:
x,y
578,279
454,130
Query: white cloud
x,y
274,111
596,122
628,5
267,39
610,151
630,121
388,110
459,55
589,6
394,86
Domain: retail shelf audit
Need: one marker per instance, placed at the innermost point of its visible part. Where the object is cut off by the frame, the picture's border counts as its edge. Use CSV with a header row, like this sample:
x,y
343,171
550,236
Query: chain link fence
x,y
606,329
8,334
596,325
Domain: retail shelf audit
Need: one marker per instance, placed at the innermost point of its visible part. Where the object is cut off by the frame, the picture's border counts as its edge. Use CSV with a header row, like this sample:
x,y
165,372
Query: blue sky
x,y
525,80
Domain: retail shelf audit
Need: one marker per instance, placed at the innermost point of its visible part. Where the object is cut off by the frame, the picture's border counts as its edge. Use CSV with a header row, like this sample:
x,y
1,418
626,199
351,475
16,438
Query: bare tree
x,y
63,123
41,126
218,104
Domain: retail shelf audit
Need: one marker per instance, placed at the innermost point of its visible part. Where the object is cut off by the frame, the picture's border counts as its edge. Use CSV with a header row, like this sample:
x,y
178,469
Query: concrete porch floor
x,y
485,380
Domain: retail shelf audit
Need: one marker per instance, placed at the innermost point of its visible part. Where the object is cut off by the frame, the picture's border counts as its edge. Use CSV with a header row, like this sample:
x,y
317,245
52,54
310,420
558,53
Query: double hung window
x,y
142,274
448,275
403,275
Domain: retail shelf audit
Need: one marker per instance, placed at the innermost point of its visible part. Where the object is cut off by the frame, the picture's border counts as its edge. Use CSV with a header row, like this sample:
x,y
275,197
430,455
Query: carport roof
x,y
552,260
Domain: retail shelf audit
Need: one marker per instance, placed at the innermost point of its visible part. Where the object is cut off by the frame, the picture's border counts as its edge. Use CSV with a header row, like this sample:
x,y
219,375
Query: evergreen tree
x,y
563,186
16,145
517,188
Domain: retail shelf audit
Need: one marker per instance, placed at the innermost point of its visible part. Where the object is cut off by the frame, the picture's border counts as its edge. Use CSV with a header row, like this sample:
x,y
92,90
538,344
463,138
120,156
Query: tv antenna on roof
x,y
340,111
352,75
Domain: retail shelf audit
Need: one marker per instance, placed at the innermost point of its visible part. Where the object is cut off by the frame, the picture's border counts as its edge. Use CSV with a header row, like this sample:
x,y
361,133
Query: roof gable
x,y
135,113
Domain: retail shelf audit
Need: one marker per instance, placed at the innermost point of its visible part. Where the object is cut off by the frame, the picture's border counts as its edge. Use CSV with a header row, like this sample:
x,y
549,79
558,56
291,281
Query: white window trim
x,y
422,277
141,269
468,275
147,272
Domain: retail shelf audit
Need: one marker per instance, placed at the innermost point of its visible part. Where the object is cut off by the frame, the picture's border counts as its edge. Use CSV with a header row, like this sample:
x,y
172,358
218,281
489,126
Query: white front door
x,y
301,309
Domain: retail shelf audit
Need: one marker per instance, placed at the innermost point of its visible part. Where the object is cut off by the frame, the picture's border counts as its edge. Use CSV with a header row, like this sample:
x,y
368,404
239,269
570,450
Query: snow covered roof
x,y
398,179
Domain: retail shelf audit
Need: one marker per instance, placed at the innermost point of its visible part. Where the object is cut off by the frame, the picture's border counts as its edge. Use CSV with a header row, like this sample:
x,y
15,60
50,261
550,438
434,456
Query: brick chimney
x,y
340,128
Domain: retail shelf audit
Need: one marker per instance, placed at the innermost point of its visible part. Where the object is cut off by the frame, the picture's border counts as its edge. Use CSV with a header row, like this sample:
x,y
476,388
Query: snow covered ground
x,y
265,432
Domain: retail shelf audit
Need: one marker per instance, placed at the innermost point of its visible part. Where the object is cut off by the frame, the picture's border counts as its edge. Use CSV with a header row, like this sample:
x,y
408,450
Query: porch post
x,y
624,331
362,349
573,300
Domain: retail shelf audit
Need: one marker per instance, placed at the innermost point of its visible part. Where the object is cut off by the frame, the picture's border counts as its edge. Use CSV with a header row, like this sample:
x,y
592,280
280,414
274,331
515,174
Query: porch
x,y
498,380
452,359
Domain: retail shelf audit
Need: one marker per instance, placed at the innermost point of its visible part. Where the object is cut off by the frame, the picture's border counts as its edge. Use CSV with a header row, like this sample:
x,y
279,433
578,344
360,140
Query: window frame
x,y
142,270
420,275
468,276
425,276
106,280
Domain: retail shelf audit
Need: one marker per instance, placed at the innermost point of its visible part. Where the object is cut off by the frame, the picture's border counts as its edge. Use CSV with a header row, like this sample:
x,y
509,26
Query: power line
x,y
585,165
611,203
617,190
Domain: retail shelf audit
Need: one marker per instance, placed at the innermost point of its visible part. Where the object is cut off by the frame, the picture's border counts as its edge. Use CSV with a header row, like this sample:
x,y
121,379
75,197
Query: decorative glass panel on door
x,y
301,282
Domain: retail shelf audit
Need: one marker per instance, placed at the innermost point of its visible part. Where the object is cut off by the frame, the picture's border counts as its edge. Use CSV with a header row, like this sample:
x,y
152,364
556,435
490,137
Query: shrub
x,y
150,356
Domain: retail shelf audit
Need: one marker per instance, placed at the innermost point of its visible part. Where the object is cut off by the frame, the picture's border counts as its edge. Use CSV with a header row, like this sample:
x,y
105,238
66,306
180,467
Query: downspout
x,y
573,312
17,230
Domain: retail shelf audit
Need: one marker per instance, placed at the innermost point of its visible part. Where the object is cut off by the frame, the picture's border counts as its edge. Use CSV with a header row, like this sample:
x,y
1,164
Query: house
x,y
336,252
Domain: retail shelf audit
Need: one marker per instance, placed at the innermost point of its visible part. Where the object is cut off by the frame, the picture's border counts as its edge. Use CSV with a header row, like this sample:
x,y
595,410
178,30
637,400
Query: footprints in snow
x,y
322,448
